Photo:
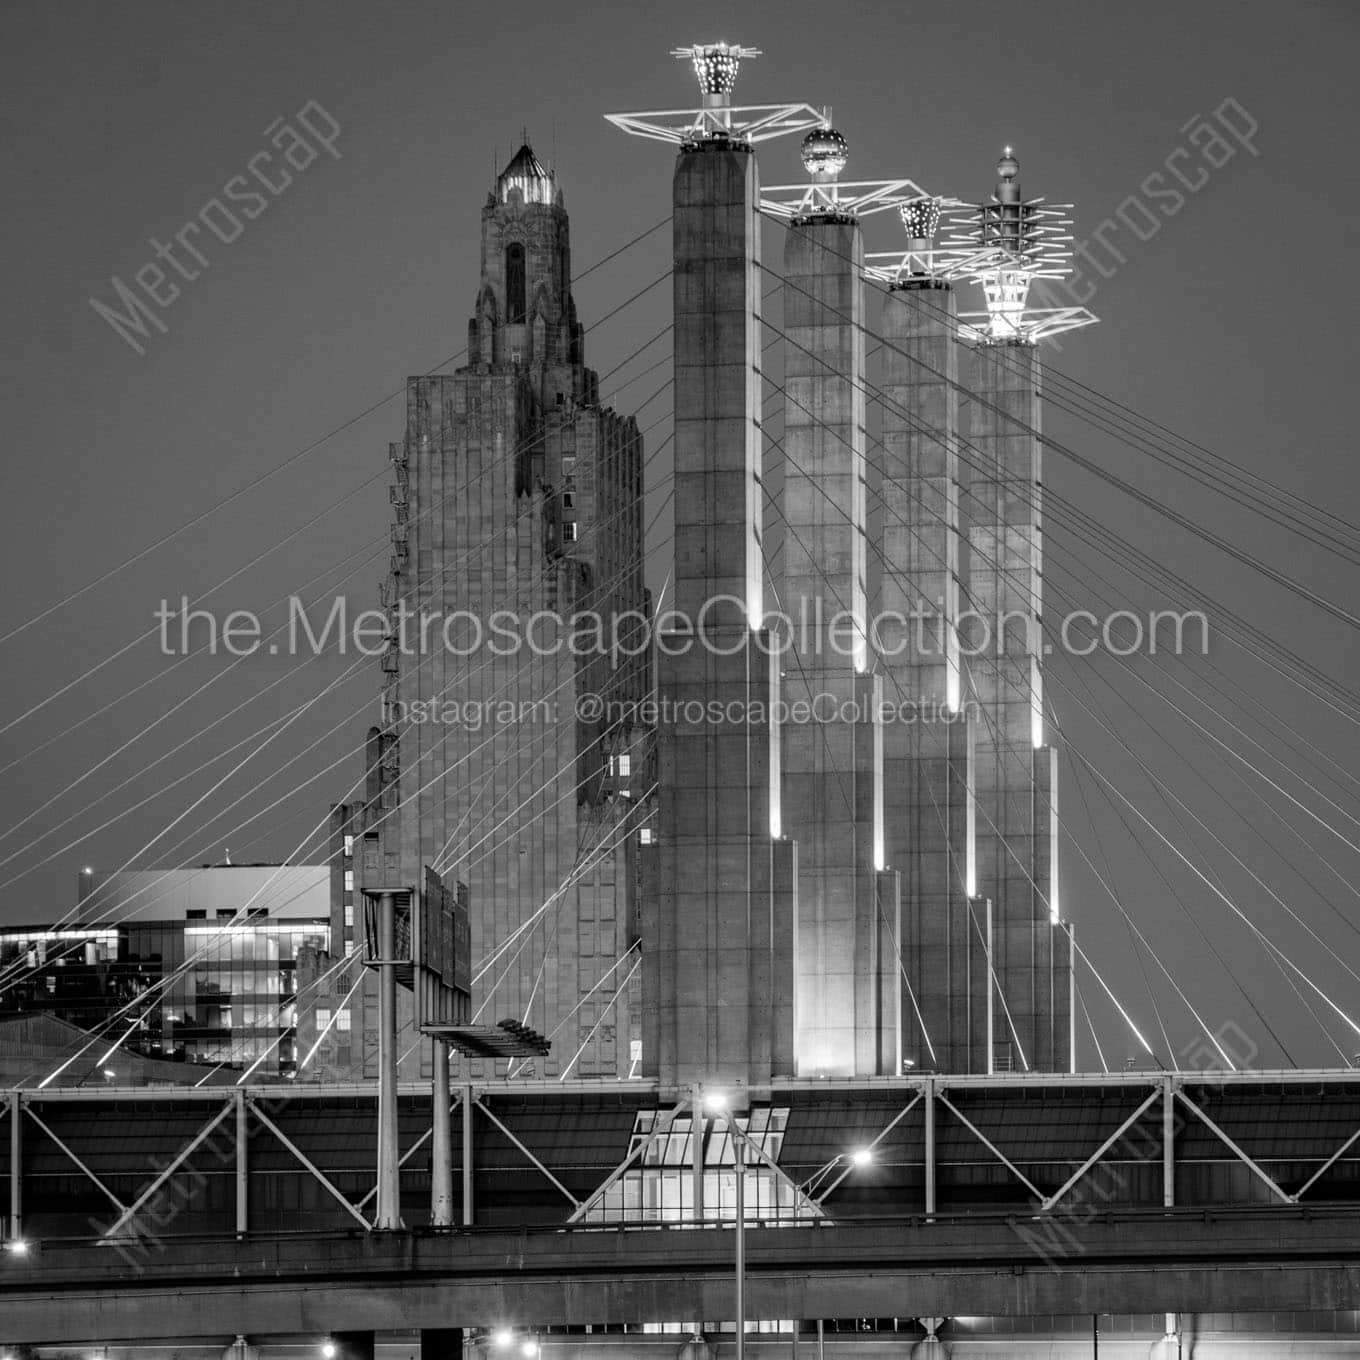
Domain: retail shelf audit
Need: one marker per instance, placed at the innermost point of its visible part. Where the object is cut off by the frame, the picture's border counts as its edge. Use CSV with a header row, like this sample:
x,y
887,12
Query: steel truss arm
x,y
1326,1166
342,1200
1101,1150
800,1198
893,1123
1232,1147
481,1105
662,1126
989,1145
104,1189
181,1157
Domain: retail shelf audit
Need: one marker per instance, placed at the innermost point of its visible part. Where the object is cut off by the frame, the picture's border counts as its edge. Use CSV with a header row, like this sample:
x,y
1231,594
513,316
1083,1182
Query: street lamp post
x,y
739,1157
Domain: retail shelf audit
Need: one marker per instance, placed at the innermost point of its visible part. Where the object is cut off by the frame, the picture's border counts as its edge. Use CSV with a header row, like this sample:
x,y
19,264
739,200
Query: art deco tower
x,y
517,495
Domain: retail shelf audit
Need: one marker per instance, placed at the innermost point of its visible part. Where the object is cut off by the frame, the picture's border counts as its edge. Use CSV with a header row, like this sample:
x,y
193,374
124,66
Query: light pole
x,y
739,1158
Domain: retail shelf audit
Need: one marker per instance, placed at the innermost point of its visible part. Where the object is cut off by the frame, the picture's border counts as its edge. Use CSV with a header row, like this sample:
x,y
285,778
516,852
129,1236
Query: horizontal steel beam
x,y
1009,1081
1149,1262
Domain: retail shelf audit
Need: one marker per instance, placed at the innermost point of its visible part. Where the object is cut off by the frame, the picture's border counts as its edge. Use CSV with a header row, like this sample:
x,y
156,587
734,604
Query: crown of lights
x,y
718,119
1007,243
825,152
716,65
921,218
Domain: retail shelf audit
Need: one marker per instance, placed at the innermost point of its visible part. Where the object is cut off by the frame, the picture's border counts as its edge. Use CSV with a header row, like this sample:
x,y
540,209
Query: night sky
x,y
1232,324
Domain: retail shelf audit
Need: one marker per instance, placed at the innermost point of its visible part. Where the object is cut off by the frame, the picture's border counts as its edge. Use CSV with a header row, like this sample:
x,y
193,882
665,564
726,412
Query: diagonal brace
x,y
183,1155
575,1203
1101,1151
302,1157
989,1145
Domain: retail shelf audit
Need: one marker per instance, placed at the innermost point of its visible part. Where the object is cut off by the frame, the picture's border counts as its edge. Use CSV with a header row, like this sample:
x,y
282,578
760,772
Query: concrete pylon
x,y
1016,770
928,762
848,1013
719,891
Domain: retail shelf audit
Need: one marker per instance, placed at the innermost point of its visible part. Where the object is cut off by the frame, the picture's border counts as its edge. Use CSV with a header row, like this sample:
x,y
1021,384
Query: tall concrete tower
x,y
518,497
929,772
1016,767
719,896
848,1019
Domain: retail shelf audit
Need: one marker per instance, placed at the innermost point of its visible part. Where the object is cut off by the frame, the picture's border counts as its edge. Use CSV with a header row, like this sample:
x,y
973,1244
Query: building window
x,y
625,764
568,500
342,1020
568,465
349,880
349,847
646,836
569,531
323,1018
196,914
349,915
225,913
514,283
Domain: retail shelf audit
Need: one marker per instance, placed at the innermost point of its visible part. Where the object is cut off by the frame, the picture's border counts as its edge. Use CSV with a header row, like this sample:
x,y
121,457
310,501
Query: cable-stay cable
x,y
293,458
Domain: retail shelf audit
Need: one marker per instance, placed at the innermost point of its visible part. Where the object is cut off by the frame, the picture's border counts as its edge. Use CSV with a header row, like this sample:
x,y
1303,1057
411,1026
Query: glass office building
x,y
193,965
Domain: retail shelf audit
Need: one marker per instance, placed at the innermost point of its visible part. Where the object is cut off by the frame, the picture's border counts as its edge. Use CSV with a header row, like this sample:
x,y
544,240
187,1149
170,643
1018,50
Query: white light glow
x,y
921,218
862,1156
17,1247
503,1338
715,1100
328,1350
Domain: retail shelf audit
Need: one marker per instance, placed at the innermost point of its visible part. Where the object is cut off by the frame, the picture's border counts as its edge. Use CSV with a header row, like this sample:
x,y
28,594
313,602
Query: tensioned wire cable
x,y
995,977
527,443
283,798
986,948
199,599
381,542
293,458
1007,362
482,547
85,905
1052,501
238,800
1076,530
804,408
1008,847
1248,1001
1035,505
620,574
966,392
1122,422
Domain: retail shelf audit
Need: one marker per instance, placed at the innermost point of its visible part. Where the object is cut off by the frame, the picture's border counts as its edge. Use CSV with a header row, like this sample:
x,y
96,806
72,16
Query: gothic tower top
x,y
524,317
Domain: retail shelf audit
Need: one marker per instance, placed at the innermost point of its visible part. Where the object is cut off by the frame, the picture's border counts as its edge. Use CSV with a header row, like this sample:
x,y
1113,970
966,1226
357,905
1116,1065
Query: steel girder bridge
x,y
168,1212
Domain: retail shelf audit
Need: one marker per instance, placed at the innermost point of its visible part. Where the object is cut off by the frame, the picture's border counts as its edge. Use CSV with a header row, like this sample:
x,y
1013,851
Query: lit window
x,y
569,532
349,915
342,1020
625,765
323,1017
349,880
646,836
349,847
